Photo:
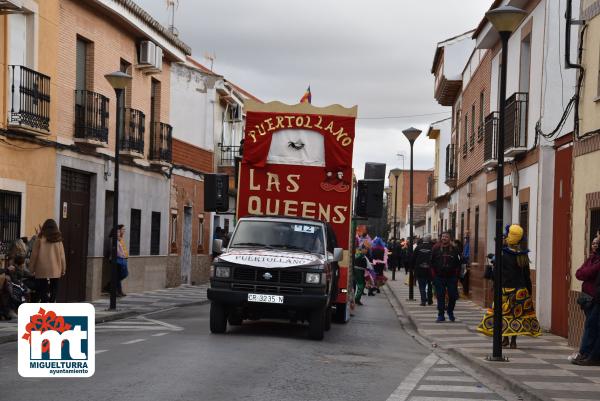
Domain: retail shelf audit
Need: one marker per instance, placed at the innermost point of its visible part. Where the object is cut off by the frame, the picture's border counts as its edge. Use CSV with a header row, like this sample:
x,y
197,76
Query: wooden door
x,y
560,247
74,216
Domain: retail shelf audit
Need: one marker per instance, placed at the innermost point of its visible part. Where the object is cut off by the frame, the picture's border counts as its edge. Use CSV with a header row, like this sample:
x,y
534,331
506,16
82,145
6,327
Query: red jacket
x,y
588,273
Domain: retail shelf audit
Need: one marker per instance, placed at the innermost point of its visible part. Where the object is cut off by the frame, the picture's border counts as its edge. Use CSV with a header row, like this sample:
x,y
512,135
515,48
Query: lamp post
x,y
119,81
411,134
505,20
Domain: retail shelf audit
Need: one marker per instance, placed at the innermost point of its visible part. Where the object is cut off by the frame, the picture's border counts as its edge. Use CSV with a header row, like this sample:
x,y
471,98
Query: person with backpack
x,y
421,262
445,266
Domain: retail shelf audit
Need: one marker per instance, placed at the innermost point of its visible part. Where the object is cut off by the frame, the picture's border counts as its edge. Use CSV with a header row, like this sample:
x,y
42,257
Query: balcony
x,y
515,124
465,148
132,142
490,140
161,142
91,118
451,168
29,108
472,140
11,6
228,154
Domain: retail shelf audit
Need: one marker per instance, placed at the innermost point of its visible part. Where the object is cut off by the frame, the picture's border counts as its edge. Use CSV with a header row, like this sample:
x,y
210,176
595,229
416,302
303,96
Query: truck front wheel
x,y
218,318
316,324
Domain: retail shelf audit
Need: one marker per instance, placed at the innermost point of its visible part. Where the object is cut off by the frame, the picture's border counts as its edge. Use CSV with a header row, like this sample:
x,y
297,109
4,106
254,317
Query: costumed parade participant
x,y
518,313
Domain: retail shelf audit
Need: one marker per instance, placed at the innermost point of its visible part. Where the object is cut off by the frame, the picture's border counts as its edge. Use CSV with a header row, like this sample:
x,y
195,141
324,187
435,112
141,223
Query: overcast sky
x,y
376,54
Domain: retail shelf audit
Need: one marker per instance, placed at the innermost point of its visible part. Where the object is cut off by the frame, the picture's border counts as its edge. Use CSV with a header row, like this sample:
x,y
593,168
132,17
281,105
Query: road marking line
x,y
99,351
139,340
164,324
159,334
412,380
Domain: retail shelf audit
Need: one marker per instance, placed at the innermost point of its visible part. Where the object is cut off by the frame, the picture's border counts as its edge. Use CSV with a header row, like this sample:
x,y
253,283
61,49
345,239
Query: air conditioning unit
x,y
147,54
158,60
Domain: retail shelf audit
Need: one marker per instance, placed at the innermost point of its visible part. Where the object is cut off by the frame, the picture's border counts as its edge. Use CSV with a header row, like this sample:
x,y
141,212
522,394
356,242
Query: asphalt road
x,y
171,355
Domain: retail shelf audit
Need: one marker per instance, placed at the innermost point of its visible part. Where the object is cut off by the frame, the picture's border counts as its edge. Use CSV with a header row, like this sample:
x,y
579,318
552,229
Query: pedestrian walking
x,y
421,263
122,260
393,257
445,263
589,301
47,261
518,313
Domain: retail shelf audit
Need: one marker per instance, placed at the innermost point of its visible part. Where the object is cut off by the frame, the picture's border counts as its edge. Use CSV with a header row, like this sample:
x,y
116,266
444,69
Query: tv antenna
x,y
172,5
211,57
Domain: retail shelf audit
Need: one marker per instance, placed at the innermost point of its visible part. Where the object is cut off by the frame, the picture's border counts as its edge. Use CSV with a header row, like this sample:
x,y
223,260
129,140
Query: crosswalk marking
x,y
453,389
159,334
462,378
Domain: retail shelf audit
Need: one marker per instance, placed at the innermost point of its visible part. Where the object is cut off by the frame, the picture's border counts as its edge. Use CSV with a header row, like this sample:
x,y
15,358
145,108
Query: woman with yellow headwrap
x,y
518,314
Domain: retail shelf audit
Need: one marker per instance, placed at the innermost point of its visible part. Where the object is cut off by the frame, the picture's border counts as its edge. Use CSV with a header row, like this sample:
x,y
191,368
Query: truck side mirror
x,y
218,246
338,254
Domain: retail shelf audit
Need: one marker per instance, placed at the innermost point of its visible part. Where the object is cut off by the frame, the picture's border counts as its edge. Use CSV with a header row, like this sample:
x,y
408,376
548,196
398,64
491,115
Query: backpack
x,y
424,259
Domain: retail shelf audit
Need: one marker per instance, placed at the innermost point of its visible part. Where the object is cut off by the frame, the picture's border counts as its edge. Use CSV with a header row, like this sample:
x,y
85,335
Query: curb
x,y
475,363
12,337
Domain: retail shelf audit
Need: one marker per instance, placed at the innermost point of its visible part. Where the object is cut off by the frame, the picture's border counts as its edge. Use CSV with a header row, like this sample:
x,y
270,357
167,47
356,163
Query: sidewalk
x,y
131,305
539,367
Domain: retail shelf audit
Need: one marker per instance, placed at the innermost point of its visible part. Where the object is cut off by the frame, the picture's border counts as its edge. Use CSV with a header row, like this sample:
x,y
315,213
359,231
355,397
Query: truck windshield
x,y
280,235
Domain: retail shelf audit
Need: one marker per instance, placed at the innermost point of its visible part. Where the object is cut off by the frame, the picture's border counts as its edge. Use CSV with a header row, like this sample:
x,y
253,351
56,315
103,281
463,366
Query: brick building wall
x,y
470,163
109,43
420,178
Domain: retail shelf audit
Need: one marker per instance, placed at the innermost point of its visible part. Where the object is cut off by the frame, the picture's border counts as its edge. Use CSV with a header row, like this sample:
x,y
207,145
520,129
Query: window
x,y
481,128
173,231
472,143
135,231
525,64
10,218
200,233
155,234
453,224
476,236
429,225
524,222
457,121
125,67
468,222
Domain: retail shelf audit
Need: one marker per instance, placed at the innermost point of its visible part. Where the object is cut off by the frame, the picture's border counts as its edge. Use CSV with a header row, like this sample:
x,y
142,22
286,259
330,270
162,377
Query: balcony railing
x,y
133,136
91,117
29,98
472,140
490,140
515,124
161,142
228,154
464,148
451,169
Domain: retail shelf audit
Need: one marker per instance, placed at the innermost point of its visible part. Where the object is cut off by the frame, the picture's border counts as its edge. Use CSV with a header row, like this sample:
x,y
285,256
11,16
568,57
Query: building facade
x,y
585,151
90,46
28,116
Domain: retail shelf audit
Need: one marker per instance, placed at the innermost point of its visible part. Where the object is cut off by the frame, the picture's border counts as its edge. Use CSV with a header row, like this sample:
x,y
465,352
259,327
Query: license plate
x,y
269,299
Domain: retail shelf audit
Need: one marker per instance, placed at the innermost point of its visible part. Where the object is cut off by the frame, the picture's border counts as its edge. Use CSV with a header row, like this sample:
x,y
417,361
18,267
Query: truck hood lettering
x,y
269,258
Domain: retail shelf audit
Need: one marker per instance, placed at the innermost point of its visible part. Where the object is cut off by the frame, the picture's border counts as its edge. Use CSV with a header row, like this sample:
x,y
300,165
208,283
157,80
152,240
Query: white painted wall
x,y
191,107
455,54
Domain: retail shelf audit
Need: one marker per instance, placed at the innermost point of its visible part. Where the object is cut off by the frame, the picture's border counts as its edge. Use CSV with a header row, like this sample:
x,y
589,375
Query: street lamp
x,y
411,134
119,81
505,20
